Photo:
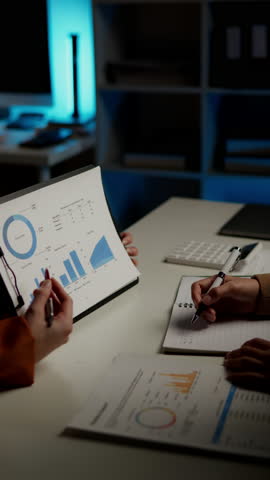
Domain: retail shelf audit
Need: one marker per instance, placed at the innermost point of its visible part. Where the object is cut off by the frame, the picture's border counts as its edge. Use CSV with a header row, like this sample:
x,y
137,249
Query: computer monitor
x,y
25,65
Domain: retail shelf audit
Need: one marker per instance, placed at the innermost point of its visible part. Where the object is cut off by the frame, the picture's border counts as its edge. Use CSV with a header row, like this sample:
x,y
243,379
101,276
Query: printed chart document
x,y
219,337
168,400
66,227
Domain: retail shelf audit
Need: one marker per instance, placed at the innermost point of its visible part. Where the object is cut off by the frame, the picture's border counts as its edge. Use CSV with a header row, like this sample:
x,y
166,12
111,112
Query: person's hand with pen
x,y
52,307
59,319
235,295
48,339
249,365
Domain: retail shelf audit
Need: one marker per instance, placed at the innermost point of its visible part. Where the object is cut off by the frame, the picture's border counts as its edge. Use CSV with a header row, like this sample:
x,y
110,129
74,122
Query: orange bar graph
x,y
180,382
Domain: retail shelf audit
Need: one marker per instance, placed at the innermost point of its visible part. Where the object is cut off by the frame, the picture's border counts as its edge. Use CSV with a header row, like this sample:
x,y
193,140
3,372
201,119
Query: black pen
x,y
49,310
228,266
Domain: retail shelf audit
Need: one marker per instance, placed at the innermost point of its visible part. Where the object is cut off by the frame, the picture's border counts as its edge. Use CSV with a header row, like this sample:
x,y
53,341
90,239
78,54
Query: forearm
x,y
16,353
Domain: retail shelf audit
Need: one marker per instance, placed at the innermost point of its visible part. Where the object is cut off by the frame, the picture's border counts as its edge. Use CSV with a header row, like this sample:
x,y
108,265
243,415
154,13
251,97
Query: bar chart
x,y
37,281
181,383
74,269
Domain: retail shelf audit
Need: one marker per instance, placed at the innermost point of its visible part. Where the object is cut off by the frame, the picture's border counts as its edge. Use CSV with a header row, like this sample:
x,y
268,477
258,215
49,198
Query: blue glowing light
x,y
66,17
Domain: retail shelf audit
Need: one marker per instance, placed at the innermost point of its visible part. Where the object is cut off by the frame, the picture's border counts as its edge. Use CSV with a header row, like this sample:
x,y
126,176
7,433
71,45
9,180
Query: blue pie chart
x,y
33,246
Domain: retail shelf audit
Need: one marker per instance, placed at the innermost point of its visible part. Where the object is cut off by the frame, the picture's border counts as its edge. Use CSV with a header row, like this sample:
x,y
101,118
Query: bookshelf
x,y
161,91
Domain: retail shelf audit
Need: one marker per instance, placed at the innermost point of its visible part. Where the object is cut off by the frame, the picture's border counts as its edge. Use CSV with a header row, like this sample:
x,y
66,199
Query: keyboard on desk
x,y
47,138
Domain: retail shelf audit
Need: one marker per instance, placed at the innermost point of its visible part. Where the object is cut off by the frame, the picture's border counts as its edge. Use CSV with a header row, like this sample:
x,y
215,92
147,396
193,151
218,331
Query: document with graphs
x,y
216,338
64,226
179,402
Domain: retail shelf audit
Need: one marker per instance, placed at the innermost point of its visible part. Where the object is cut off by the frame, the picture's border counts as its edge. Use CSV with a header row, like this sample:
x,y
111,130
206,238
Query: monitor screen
x,y
25,67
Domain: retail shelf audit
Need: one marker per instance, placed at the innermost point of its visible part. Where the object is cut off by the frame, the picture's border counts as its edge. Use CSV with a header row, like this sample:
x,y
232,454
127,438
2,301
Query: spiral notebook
x,y
203,338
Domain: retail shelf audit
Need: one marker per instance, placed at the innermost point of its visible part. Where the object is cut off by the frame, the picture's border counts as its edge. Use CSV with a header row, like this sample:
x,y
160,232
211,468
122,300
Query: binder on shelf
x,y
65,225
248,147
247,156
254,165
154,161
259,48
243,126
233,43
239,45
152,72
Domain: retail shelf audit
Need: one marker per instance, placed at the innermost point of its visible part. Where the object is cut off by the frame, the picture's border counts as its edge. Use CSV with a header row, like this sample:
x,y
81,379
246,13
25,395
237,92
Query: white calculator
x,y
211,254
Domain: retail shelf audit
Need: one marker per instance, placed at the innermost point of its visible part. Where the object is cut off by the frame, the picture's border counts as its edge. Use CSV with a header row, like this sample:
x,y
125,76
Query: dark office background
x,y
190,84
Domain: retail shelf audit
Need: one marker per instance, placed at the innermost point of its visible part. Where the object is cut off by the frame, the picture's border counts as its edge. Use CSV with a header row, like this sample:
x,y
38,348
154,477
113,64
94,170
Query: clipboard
x,y
65,225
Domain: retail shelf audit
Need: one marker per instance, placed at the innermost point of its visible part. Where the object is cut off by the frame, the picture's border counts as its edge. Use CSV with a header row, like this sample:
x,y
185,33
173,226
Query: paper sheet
x,y
169,400
67,228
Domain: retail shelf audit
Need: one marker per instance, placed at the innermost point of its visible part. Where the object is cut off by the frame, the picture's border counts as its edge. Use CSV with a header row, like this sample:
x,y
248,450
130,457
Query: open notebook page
x,y
219,337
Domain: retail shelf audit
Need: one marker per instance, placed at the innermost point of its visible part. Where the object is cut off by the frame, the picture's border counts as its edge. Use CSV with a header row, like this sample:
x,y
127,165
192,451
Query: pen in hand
x,y
49,310
228,266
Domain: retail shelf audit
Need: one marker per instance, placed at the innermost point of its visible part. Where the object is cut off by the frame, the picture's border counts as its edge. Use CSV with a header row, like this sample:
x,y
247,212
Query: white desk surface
x,y
32,419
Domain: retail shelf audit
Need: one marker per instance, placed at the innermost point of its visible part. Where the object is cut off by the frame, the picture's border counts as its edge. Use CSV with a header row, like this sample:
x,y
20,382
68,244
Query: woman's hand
x,y
48,339
235,296
132,251
249,366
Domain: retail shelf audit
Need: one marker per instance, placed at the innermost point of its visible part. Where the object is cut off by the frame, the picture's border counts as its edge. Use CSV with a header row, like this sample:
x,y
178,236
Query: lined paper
x,y
219,337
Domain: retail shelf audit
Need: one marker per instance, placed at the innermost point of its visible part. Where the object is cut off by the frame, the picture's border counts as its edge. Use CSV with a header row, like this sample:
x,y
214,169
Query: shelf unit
x,y
156,97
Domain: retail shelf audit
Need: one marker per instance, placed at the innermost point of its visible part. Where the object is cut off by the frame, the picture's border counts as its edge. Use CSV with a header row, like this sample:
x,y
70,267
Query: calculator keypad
x,y
200,254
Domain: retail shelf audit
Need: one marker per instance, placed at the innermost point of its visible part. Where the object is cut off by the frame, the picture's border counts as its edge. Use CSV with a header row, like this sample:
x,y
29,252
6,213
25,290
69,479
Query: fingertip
x,y
47,284
210,316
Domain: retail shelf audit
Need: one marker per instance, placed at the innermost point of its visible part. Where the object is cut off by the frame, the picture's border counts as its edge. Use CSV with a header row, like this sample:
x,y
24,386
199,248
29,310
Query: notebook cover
x,y
252,220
